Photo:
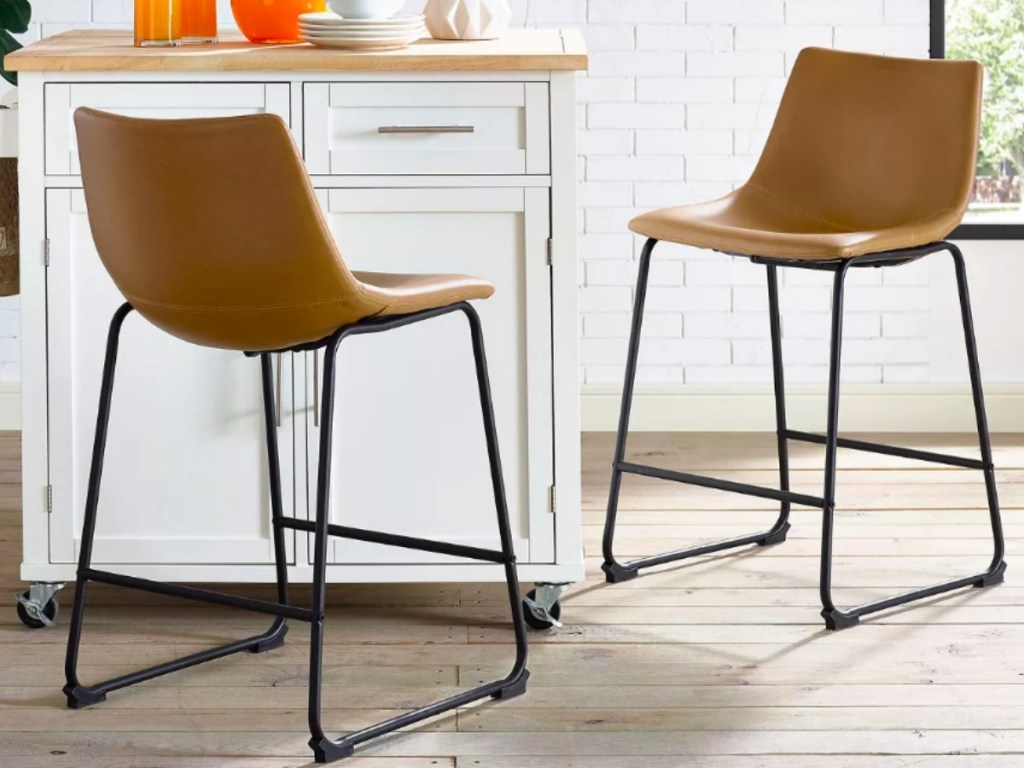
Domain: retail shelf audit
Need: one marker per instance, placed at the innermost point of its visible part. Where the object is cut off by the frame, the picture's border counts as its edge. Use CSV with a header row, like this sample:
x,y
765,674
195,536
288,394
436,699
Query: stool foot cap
x,y
80,698
516,688
327,751
273,641
998,576
777,537
836,620
615,573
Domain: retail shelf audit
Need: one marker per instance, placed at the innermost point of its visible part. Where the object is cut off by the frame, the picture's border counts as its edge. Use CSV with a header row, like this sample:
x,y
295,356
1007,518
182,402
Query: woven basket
x,y
9,226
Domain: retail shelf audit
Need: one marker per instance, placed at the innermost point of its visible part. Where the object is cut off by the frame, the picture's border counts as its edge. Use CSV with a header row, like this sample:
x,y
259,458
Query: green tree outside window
x,y
992,32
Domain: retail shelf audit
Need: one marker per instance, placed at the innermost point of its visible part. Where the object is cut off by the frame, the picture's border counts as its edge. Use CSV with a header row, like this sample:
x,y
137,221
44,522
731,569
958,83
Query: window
x,y
992,32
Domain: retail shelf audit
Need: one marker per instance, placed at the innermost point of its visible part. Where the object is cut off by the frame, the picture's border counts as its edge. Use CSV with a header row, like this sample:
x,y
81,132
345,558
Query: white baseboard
x,y
863,408
10,405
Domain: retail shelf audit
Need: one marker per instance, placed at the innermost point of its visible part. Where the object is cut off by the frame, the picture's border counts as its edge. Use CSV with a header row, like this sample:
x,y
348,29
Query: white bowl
x,y
366,9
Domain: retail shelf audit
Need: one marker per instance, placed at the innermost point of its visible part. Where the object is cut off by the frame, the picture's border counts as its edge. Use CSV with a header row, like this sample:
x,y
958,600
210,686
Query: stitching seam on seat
x,y
718,247
219,309
793,207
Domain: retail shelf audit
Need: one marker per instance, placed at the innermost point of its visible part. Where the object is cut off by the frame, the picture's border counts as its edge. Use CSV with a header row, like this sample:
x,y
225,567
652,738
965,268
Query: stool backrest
x,y
211,228
869,142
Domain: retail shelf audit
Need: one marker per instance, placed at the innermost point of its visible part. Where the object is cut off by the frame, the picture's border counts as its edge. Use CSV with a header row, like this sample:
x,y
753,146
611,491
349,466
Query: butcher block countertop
x,y
97,50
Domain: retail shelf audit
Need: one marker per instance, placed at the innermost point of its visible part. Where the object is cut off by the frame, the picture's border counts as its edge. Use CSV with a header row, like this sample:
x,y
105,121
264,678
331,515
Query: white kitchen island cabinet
x,y
444,157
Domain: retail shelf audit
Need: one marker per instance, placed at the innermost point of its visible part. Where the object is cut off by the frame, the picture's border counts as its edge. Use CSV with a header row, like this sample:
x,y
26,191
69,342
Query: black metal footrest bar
x,y
617,572
721,485
917,594
501,689
84,696
838,618
889,450
396,540
195,593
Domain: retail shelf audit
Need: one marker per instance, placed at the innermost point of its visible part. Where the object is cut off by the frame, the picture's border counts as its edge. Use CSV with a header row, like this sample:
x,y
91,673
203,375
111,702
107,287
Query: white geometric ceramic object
x,y
467,19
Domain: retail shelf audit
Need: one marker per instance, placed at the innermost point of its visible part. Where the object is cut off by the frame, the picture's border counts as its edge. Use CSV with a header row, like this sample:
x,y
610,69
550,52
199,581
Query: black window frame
x,y
937,50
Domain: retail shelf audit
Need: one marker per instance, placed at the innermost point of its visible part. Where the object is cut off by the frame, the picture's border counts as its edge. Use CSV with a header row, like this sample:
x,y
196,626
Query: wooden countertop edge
x,y
107,63
70,52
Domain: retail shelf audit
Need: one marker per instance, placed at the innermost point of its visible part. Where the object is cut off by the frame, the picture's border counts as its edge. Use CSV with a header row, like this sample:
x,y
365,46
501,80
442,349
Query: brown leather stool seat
x,y
867,154
752,221
870,163
251,264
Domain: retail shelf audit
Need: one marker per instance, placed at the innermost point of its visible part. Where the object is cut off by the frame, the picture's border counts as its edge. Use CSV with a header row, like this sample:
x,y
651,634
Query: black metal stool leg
x,y
778,532
325,749
274,637
515,681
513,684
77,694
834,618
614,570
997,568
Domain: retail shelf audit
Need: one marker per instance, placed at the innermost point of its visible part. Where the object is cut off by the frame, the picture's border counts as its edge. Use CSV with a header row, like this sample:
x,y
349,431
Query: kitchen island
x,y
442,157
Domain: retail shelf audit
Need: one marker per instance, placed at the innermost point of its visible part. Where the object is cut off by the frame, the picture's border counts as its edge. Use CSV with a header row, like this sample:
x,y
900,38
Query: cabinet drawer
x,y
162,100
426,128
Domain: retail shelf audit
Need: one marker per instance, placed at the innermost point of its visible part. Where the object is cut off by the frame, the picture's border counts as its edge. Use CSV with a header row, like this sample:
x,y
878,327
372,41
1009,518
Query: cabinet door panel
x,y
185,473
409,451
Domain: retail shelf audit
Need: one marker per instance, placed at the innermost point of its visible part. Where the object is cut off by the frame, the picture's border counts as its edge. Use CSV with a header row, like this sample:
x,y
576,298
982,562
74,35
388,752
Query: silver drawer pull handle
x,y
426,129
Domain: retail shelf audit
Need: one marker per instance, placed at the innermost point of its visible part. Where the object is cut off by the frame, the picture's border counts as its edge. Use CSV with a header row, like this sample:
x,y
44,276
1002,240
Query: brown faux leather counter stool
x,y
870,163
211,230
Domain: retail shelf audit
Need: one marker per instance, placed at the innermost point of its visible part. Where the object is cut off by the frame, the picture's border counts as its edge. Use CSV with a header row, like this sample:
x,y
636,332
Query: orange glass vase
x,y
199,21
157,22
272,21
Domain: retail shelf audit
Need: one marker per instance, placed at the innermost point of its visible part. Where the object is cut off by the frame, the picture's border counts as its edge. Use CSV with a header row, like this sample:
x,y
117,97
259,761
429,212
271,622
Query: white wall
x,y
675,108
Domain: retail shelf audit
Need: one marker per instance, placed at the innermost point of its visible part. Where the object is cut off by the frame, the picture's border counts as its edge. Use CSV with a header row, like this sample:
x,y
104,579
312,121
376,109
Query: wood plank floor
x,y
718,663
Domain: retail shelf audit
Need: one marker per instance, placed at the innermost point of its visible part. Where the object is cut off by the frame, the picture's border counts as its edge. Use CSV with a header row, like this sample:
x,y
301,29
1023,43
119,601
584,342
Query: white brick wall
x,y
678,102
675,108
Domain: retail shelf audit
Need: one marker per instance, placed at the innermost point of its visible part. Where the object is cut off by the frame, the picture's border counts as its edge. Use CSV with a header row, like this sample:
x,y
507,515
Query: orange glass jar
x,y
199,21
157,22
272,21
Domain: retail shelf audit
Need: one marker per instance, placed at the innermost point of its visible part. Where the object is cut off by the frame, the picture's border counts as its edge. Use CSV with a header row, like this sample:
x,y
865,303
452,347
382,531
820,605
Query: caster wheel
x,y
533,619
34,622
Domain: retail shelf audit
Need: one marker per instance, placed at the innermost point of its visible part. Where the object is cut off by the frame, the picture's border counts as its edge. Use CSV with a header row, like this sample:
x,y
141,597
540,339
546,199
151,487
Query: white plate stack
x,y
329,30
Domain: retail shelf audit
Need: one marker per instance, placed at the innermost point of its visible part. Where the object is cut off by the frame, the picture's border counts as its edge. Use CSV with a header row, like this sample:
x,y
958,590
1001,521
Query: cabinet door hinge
x,y
551,251
552,500
49,499
46,252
